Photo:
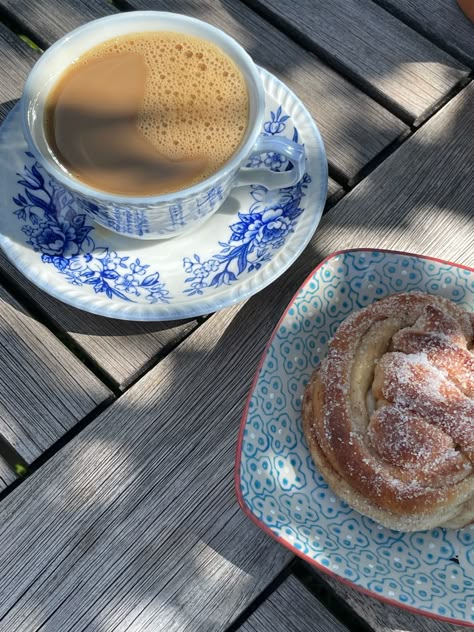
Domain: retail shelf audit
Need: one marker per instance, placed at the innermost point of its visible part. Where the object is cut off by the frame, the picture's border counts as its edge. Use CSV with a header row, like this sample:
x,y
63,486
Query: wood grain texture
x,y
17,59
335,190
440,20
7,476
384,618
420,198
354,128
45,21
44,390
141,502
394,62
123,350
292,607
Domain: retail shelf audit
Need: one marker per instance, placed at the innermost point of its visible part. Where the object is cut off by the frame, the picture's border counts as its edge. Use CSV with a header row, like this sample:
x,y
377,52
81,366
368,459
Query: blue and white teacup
x,y
161,216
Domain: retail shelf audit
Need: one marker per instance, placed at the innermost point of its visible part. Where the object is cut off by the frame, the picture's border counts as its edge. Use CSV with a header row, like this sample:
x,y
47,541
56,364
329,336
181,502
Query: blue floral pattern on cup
x,y
431,571
259,231
101,273
56,229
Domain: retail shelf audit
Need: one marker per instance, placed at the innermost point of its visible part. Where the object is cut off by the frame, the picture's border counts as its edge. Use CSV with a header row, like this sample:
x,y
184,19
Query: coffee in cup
x,y
194,196
147,113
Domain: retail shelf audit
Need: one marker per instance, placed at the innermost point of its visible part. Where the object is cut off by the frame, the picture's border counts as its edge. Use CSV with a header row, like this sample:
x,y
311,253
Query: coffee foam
x,y
195,102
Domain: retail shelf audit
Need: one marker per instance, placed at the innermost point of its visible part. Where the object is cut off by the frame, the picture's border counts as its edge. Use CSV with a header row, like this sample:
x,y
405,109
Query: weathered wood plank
x,y
123,350
7,476
355,128
441,20
382,617
420,198
393,62
141,503
335,190
17,59
44,390
47,21
292,607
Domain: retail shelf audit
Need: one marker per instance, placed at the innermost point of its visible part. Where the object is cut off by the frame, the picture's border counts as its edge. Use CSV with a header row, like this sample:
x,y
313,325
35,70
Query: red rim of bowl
x,y
246,509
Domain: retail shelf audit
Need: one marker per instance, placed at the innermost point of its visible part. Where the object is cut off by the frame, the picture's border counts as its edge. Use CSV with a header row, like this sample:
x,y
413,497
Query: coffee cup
x,y
171,214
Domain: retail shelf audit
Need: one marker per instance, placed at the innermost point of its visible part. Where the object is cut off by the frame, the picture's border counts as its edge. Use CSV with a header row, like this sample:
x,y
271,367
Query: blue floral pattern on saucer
x,y
249,242
260,230
279,486
56,229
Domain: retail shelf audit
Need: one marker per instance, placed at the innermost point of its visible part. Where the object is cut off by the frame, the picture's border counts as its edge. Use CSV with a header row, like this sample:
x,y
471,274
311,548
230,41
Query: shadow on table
x,y
136,521
349,133
141,517
134,524
139,520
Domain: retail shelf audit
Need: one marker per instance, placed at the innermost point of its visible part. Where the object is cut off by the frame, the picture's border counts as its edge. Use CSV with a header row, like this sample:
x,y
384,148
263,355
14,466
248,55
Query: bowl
x,y
279,487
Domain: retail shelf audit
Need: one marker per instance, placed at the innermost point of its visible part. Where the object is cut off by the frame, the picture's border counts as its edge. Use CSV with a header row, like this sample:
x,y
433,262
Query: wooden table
x,y
117,439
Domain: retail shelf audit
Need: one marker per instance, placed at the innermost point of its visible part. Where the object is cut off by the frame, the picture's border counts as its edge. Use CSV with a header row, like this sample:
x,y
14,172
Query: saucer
x,y
278,485
251,240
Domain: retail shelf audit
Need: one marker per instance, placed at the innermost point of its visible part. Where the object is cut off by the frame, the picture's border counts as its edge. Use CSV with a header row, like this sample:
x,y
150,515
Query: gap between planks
x,y
362,60
409,218
440,21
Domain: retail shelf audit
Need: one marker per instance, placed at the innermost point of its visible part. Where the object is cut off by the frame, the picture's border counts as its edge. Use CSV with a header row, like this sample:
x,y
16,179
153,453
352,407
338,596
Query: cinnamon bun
x,y
389,415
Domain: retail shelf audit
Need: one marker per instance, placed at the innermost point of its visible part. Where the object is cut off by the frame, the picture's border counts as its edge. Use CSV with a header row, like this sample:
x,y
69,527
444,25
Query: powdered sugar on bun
x,y
389,416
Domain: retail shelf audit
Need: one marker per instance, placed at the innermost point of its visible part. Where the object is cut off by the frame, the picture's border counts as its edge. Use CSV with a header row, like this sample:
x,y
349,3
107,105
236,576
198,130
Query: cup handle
x,y
274,179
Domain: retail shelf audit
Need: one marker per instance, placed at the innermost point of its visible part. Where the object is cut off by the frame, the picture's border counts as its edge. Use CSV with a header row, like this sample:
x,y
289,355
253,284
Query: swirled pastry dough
x,y
389,415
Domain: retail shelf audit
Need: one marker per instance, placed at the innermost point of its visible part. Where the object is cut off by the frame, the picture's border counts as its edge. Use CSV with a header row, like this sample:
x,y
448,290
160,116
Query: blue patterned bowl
x,y
277,483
